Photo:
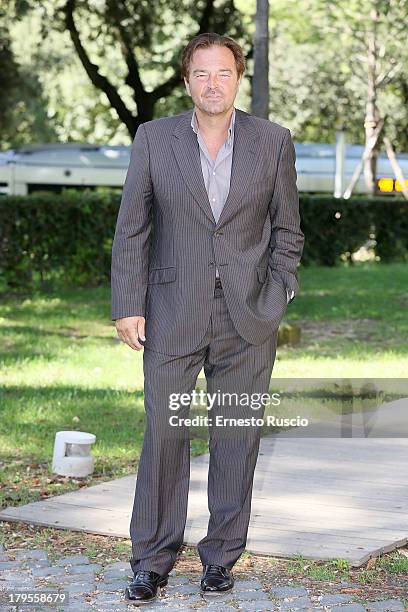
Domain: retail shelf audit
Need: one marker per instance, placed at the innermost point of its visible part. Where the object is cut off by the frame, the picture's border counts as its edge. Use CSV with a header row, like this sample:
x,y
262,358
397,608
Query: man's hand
x,y
130,329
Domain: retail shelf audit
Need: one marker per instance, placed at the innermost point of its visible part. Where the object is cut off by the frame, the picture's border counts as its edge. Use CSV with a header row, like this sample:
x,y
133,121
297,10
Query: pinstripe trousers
x,y
231,365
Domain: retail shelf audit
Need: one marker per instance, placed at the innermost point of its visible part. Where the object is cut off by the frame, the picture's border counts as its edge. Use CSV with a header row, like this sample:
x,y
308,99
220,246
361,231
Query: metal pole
x,y
339,173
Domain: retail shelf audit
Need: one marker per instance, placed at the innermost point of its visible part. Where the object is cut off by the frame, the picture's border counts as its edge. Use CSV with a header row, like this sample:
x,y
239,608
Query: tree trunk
x,y
372,114
260,79
145,112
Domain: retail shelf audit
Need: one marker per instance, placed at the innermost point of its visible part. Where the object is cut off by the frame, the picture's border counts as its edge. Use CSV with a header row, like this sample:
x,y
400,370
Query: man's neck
x,y
213,125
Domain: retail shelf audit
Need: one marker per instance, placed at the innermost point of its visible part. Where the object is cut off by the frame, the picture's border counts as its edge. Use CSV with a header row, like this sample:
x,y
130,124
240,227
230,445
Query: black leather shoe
x,y
216,579
143,588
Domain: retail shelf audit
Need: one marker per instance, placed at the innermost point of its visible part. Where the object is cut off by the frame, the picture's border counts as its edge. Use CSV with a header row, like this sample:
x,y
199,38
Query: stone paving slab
x,y
323,498
106,594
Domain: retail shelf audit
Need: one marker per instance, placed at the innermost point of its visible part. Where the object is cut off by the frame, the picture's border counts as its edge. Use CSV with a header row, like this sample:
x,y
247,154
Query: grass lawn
x,y
354,321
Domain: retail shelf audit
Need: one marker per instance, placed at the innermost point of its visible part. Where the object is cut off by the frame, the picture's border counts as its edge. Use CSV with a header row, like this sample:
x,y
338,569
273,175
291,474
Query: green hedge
x,y
335,228
69,235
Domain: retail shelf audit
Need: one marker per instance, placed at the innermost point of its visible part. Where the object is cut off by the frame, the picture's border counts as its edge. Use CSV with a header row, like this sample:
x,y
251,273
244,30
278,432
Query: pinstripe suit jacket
x,y
167,243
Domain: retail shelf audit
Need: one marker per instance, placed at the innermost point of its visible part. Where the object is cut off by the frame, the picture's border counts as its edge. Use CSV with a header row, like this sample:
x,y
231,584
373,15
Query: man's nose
x,y
212,80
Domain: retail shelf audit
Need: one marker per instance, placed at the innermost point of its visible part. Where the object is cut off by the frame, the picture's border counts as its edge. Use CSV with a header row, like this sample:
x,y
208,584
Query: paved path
x,y
93,587
323,498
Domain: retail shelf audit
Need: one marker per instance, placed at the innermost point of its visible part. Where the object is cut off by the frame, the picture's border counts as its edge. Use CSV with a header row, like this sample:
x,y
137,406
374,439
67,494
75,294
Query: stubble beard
x,y
218,106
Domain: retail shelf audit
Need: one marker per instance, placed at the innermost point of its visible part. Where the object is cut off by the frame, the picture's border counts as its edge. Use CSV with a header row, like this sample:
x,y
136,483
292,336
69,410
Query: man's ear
x,y
187,86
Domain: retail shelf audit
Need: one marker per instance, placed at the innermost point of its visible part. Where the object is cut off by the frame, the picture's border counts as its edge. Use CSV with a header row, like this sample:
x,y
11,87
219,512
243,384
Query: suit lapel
x,y
187,153
245,155
244,158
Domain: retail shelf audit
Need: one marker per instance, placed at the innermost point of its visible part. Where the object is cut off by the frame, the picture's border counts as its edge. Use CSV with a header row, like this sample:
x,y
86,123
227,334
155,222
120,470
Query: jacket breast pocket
x,y
162,275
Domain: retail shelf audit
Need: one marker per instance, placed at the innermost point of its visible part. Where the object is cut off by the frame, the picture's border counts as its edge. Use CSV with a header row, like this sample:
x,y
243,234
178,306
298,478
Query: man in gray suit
x,y
204,263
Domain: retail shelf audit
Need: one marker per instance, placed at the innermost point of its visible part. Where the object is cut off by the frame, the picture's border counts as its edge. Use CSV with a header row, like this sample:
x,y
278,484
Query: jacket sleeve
x,y
130,248
287,239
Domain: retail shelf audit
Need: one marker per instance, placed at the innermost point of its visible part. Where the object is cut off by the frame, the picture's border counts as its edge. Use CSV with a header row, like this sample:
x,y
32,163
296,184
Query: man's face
x,y
213,80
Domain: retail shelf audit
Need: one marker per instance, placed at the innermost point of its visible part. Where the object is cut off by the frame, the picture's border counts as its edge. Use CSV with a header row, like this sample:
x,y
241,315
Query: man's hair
x,y
209,39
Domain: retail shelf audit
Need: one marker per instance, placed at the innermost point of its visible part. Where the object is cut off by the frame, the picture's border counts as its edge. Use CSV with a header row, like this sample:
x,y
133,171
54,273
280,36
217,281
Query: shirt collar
x,y
230,129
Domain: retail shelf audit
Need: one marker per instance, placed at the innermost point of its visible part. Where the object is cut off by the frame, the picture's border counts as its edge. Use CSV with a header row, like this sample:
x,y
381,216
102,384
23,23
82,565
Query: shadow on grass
x,y
30,416
26,342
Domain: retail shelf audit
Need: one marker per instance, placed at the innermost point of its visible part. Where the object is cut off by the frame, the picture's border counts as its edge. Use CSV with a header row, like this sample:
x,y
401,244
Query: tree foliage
x,y
23,104
145,38
94,69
